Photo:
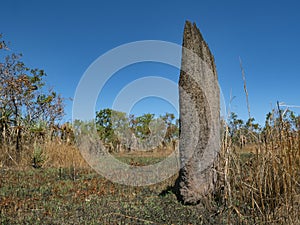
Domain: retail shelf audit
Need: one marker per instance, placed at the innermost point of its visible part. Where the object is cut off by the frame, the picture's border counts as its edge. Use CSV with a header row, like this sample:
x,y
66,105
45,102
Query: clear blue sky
x,y
65,37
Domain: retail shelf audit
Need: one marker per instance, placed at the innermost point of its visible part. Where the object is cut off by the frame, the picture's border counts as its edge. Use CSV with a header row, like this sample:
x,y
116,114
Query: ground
x,y
81,196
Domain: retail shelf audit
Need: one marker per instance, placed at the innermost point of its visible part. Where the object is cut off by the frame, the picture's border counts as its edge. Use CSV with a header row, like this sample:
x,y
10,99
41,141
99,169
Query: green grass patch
x,y
139,160
52,196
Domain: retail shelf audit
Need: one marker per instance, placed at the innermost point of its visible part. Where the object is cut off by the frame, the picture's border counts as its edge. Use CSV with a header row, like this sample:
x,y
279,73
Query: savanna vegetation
x,y
45,180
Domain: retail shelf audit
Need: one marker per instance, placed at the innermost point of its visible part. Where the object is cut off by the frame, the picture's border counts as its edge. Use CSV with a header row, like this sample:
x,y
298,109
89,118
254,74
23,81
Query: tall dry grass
x,y
262,187
57,154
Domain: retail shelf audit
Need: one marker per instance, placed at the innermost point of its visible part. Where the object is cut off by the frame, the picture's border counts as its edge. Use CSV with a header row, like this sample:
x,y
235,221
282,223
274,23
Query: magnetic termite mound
x,y
199,102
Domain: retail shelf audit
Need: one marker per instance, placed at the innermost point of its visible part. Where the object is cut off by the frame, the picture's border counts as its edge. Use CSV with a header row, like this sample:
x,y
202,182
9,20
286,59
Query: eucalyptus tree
x,y
24,100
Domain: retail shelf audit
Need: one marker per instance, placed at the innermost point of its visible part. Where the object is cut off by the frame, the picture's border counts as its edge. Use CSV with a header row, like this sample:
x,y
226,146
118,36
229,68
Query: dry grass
x,y
46,155
63,155
261,183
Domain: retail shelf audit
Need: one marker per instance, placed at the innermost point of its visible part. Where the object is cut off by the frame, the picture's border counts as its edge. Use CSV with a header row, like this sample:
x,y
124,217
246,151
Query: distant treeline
x,y
121,132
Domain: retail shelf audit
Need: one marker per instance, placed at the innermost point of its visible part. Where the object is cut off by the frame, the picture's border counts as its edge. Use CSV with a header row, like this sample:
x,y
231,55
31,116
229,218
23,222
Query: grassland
x,y
259,184
69,196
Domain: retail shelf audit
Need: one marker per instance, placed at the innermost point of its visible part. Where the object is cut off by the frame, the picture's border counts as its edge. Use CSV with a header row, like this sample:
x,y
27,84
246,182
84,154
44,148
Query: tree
x,y
104,125
172,132
23,99
111,125
132,132
142,129
235,127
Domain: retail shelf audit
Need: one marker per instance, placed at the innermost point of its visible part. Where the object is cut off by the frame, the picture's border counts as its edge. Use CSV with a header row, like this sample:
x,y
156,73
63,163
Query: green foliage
x,y
112,126
104,125
237,129
172,128
38,157
142,123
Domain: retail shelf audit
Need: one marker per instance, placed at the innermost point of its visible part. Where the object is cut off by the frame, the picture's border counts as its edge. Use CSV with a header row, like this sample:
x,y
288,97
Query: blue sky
x,y
65,37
